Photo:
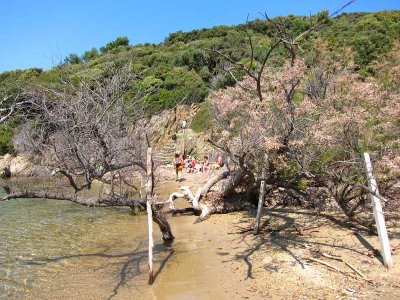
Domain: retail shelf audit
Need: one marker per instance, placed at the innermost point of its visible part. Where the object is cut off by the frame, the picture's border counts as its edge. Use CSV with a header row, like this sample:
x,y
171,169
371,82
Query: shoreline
x,y
220,258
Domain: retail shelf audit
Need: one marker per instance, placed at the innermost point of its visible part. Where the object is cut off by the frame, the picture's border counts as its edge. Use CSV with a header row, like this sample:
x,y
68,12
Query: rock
x,y
164,125
20,166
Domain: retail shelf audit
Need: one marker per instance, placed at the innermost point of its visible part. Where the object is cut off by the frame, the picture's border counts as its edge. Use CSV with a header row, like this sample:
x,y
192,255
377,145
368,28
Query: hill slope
x,y
182,70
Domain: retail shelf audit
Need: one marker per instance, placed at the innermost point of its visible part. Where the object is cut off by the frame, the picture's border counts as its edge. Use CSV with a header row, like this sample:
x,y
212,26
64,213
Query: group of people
x,y
192,166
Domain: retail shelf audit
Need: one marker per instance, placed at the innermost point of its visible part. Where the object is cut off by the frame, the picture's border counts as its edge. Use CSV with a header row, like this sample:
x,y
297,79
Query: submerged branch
x,y
115,201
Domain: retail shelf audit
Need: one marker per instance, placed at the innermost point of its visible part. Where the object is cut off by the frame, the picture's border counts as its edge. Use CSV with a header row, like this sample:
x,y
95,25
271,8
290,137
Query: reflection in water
x,y
59,250
41,238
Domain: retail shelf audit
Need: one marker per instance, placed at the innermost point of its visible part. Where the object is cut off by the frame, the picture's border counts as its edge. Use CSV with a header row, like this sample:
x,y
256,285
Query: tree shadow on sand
x,y
286,236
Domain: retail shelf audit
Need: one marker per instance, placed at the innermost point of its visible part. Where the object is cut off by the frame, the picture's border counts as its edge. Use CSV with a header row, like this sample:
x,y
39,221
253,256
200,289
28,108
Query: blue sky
x,y
39,33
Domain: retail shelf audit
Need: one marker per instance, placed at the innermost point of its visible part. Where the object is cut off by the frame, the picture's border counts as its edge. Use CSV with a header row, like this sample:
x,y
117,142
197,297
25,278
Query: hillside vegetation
x,y
182,69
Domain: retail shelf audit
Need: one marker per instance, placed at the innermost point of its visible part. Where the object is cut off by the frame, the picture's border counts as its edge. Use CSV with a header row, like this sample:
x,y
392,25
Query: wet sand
x,y
201,266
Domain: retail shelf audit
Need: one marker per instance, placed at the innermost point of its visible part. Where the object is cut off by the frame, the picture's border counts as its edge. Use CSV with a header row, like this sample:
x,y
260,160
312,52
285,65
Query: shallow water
x,y
59,250
40,237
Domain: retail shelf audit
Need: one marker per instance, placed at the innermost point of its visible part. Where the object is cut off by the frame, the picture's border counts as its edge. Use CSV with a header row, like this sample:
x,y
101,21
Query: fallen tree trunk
x,y
115,201
158,217
207,202
204,203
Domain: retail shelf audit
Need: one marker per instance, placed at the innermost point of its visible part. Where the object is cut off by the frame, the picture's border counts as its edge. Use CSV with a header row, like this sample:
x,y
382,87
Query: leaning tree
x,y
92,129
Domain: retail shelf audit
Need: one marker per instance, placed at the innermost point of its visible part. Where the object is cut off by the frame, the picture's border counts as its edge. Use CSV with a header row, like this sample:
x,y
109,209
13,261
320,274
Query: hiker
x,y
174,137
184,125
179,163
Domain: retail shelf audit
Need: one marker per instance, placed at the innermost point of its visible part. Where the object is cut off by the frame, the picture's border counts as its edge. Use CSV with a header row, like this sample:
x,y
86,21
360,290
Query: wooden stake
x,y
149,191
261,197
378,214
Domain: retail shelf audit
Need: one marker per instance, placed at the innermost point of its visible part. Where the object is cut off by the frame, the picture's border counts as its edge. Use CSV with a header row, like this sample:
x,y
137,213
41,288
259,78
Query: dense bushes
x,y
369,35
6,133
180,85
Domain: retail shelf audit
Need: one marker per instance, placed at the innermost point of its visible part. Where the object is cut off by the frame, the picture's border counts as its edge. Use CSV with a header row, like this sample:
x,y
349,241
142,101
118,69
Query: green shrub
x,y
202,120
5,139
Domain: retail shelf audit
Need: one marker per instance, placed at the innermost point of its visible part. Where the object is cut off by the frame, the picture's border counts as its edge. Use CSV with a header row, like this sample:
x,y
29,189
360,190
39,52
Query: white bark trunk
x,y
188,194
149,189
194,200
378,215
206,209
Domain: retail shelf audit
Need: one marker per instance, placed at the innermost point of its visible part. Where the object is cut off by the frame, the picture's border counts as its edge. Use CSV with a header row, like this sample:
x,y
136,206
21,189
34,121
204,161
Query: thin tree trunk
x,y
160,219
378,215
261,197
149,189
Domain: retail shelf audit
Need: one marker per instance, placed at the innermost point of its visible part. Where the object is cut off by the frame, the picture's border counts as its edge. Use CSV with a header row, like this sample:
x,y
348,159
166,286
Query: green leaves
x,y
203,119
73,59
120,41
179,86
6,133
90,55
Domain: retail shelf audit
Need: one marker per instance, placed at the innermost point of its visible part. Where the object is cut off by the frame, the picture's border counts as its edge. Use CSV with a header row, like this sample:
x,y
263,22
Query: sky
x,y
40,33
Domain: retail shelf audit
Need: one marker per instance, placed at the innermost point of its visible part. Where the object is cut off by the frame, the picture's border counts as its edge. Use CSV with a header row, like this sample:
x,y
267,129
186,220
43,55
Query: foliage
x,y
370,36
120,41
312,121
202,120
90,55
6,133
180,85
73,59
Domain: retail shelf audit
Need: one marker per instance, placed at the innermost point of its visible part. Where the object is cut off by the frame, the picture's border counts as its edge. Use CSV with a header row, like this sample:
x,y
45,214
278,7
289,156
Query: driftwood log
x,y
206,201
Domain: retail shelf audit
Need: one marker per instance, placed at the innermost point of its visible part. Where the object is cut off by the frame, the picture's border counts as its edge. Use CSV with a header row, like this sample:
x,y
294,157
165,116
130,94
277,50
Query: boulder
x,y
19,166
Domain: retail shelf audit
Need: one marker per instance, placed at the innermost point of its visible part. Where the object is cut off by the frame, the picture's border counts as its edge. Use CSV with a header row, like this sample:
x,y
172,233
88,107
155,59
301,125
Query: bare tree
x,y
84,131
93,130
11,104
